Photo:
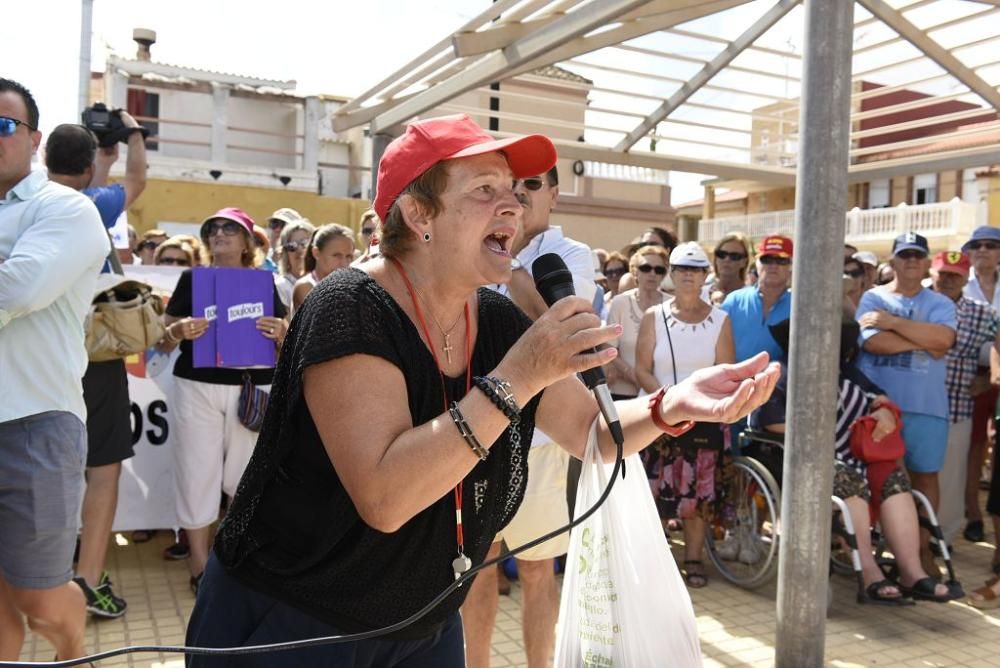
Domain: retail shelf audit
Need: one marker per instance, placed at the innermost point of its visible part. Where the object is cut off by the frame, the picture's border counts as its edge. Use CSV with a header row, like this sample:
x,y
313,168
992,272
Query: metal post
x,y
820,195
86,31
380,141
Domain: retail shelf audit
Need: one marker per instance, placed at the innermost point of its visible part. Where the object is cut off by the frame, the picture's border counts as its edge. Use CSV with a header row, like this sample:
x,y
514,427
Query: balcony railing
x,y
931,220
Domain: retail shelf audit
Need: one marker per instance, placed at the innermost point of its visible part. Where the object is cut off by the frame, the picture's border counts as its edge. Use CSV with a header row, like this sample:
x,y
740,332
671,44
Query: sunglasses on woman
x,y
854,273
174,261
293,246
367,231
229,228
658,270
8,126
615,273
735,256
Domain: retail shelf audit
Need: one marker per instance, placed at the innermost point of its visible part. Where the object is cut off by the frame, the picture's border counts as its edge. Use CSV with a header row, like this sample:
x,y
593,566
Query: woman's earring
x,y
427,237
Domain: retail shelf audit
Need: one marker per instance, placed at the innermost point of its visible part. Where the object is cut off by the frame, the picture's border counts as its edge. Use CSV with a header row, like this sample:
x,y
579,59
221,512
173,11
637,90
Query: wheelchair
x,y
743,541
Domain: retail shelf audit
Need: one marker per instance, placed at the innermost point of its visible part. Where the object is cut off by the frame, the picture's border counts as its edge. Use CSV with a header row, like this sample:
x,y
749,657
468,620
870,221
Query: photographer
x,y
74,159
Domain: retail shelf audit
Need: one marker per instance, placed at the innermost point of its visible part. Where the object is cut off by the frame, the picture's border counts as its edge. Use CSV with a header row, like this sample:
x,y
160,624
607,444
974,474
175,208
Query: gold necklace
x,y
447,348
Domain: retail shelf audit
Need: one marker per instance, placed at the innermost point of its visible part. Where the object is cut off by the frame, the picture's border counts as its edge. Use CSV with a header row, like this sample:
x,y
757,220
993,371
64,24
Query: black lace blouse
x,y
293,532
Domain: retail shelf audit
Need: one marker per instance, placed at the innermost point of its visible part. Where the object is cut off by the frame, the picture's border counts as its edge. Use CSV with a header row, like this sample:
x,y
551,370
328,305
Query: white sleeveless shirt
x,y
693,343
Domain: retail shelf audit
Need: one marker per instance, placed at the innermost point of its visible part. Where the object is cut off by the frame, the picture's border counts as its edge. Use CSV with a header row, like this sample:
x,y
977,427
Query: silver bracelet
x,y
466,432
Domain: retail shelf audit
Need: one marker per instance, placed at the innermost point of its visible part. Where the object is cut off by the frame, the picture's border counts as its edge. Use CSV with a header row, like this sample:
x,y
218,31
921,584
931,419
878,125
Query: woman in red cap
x,y
396,442
212,447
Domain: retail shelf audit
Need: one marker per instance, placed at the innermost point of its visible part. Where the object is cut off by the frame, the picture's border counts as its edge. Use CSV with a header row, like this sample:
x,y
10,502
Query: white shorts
x,y
544,507
211,448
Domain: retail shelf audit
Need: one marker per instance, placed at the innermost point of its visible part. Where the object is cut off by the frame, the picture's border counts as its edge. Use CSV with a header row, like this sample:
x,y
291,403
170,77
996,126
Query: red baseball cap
x,y
954,261
775,245
430,141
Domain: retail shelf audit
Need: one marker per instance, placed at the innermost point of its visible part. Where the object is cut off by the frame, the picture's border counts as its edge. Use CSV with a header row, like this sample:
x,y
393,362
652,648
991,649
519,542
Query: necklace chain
x,y
446,333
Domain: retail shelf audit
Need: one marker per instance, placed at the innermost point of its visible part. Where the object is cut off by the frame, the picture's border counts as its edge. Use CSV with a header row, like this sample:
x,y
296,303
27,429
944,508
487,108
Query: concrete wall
x,y
186,202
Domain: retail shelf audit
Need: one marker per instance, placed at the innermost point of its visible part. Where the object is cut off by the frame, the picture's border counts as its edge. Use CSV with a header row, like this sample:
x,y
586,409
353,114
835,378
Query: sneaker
x,y
102,600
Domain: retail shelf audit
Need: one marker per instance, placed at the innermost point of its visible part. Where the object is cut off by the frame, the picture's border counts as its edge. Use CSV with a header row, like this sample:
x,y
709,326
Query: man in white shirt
x,y
52,245
544,508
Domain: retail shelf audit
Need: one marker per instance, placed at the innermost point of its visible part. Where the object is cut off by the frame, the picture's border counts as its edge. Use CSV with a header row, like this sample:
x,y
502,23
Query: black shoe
x,y
177,552
102,600
974,531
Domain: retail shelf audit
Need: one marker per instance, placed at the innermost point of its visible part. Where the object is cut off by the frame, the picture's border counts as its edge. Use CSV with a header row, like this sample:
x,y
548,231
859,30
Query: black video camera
x,y
108,126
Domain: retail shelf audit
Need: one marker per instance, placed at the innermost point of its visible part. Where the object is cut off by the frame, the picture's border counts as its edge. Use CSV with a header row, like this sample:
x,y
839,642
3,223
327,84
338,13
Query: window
x,y
970,188
878,194
145,108
925,189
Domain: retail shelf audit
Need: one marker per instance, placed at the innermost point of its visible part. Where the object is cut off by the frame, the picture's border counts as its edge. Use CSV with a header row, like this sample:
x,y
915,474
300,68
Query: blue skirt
x,y
230,614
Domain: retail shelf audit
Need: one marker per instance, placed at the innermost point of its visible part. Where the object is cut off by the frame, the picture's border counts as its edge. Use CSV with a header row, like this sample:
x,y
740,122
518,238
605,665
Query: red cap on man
x,y
954,261
775,245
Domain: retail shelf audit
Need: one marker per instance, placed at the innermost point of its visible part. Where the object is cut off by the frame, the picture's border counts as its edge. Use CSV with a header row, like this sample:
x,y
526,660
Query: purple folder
x,y
203,306
241,297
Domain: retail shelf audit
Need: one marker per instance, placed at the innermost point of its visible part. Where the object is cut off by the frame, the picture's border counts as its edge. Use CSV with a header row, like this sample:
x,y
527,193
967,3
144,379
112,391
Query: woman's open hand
x,y
721,393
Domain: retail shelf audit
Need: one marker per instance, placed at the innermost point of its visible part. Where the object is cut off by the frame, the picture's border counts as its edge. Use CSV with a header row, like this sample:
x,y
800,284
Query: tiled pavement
x,y
736,626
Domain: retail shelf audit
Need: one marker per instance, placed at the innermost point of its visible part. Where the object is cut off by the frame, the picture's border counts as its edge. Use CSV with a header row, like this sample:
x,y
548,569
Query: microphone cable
x,y
333,640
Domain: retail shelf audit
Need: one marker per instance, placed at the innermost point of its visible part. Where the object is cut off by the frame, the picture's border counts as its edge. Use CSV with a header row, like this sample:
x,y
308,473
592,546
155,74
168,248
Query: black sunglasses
x,y
275,224
615,273
988,245
367,231
911,254
774,259
735,256
533,183
293,246
148,243
174,261
658,270
228,228
854,273
8,126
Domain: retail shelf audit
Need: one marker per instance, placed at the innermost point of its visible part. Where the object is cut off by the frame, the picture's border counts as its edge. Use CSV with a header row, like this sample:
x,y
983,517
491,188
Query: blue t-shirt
x,y
750,328
914,379
110,203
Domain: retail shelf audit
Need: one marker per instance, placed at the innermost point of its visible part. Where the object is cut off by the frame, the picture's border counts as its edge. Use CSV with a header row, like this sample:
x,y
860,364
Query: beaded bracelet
x,y
499,393
466,431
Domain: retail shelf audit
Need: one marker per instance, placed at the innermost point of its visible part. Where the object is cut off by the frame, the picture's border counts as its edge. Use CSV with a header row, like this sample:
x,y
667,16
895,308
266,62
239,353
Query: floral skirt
x,y
683,481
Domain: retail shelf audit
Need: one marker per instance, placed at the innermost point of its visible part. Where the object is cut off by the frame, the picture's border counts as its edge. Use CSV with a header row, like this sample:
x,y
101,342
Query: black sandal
x,y
695,579
923,590
875,593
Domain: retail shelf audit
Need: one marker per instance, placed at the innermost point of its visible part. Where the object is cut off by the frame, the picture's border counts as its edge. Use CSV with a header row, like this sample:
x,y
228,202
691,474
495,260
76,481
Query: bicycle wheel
x,y
743,541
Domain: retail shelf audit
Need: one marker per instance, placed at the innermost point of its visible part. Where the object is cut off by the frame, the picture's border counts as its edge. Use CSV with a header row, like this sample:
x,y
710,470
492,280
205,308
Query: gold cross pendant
x,y
447,347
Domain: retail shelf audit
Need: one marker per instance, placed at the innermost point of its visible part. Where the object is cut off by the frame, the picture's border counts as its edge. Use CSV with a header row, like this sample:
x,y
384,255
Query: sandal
x,y
876,593
988,599
694,574
974,531
923,590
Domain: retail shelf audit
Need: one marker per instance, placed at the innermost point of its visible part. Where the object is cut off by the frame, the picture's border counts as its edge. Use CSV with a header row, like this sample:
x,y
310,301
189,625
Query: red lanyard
x,y
460,536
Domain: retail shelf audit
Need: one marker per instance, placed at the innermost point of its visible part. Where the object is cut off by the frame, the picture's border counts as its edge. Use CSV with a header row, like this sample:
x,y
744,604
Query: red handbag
x,y
864,446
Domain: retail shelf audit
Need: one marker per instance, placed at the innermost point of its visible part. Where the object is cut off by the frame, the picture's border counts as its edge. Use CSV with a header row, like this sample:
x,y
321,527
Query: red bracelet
x,y
654,412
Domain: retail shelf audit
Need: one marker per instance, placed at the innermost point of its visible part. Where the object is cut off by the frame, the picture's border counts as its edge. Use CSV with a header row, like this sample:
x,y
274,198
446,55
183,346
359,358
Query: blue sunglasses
x,y
8,126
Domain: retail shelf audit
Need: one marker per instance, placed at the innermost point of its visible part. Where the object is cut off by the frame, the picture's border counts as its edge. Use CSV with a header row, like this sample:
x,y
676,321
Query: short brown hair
x,y
177,243
426,189
636,259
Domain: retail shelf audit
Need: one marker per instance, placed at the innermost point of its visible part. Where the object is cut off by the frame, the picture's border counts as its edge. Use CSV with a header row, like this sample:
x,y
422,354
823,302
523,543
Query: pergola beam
x,y
933,50
689,88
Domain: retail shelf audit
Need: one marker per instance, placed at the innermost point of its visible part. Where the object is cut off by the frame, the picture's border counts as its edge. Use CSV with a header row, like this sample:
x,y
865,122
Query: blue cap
x,y
910,241
983,233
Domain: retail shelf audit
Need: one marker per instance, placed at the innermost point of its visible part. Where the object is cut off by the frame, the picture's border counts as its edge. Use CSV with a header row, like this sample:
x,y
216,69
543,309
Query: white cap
x,y
866,257
689,254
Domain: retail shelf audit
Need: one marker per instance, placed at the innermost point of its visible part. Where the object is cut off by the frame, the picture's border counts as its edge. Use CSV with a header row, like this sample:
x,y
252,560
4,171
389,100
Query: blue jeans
x,y
230,614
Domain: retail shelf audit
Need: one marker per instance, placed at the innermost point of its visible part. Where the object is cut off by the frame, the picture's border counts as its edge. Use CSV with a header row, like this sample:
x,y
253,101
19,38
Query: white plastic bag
x,y
624,603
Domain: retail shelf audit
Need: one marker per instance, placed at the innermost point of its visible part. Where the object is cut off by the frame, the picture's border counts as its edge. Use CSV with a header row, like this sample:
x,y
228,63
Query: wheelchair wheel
x,y
743,541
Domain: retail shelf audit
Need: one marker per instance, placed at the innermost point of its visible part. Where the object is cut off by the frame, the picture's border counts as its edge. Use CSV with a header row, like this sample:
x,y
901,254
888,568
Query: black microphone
x,y
553,282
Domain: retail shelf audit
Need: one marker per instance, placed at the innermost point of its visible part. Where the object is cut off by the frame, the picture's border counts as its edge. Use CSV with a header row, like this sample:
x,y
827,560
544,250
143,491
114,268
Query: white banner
x,y
146,487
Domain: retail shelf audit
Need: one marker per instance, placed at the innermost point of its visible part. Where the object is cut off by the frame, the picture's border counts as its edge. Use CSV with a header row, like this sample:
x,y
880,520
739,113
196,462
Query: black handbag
x,y
703,435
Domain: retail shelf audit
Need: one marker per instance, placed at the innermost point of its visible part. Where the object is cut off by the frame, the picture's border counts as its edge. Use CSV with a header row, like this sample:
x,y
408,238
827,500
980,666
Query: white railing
x,y
609,170
931,220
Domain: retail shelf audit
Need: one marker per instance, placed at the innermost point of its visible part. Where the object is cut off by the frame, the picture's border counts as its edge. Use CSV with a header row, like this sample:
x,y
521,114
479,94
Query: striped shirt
x,y
852,403
977,324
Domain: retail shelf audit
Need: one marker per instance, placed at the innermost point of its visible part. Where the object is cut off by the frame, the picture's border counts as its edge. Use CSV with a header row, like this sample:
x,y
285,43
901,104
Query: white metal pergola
x,y
678,84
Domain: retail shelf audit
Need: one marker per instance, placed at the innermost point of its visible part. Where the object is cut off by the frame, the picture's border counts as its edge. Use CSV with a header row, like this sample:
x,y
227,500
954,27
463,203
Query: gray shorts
x,y
42,460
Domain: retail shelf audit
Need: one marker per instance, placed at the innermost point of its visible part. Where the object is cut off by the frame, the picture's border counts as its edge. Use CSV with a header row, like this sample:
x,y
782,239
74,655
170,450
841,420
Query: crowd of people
x,y
433,298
